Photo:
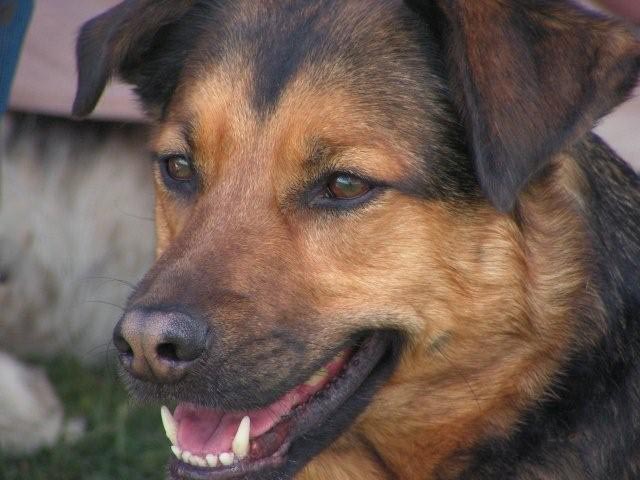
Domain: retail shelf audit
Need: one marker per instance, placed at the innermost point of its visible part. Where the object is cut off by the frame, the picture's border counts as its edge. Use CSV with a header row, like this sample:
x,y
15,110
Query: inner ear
x,y
528,78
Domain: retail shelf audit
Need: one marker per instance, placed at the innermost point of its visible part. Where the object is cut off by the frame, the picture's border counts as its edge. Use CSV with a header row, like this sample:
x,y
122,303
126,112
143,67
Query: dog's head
x,y
340,215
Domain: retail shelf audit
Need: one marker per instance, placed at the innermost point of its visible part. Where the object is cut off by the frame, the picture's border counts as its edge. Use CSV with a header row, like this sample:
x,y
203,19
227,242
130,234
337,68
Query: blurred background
x,y
76,232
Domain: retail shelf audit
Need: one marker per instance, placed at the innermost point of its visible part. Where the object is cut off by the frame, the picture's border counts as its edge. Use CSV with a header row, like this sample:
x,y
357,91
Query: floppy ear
x,y
528,77
115,43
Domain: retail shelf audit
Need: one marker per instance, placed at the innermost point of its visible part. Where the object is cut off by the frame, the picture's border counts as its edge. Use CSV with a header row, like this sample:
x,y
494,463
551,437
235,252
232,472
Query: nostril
x,y
179,348
121,343
123,347
168,351
183,340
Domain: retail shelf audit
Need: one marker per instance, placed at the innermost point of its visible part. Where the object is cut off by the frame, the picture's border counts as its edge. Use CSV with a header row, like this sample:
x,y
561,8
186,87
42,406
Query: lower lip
x,y
181,471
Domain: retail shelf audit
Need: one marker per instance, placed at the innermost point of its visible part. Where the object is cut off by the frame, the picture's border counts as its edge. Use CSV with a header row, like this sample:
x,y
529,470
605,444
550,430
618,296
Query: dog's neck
x,y
586,428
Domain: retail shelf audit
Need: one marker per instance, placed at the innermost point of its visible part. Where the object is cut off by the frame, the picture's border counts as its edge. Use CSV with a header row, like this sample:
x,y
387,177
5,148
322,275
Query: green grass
x,y
122,441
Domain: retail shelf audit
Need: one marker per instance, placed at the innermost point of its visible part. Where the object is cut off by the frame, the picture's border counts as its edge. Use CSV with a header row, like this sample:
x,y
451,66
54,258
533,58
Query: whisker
x,y
133,215
111,279
104,302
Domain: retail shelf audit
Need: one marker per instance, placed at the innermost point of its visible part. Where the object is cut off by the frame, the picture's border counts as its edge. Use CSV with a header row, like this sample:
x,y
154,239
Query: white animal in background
x,y
75,228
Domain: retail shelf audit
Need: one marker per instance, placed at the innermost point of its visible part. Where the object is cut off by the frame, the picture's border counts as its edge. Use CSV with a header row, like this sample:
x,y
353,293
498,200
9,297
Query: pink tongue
x,y
202,430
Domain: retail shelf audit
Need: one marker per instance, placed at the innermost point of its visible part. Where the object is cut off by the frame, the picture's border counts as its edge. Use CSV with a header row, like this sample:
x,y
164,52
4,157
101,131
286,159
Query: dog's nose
x,y
159,346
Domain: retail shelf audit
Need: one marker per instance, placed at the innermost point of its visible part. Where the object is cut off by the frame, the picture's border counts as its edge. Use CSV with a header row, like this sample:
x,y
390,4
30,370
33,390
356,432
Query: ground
x,y
122,440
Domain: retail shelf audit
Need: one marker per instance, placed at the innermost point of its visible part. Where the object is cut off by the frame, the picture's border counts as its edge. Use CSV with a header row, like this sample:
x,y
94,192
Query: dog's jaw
x,y
312,416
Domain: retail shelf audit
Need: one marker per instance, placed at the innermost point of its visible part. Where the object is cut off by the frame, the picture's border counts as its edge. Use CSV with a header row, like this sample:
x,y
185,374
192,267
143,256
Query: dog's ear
x,y
528,77
115,43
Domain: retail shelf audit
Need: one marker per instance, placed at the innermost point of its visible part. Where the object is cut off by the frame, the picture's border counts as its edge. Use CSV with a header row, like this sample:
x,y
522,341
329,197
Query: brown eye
x,y
180,168
344,186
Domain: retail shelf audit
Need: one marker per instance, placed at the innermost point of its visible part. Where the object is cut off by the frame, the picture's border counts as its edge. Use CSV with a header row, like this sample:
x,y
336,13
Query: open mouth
x,y
215,444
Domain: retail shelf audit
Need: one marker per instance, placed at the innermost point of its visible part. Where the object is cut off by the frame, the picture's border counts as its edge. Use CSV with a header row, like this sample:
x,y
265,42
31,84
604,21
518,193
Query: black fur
x,y
278,60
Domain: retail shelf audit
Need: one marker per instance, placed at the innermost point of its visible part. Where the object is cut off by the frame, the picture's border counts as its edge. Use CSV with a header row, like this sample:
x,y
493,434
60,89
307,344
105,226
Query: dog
x,y
68,242
69,247
388,244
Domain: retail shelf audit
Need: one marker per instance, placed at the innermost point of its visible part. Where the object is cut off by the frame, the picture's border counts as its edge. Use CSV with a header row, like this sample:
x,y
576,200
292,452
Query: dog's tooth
x,y
177,451
169,425
226,458
186,456
317,377
198,461
212,460
240,443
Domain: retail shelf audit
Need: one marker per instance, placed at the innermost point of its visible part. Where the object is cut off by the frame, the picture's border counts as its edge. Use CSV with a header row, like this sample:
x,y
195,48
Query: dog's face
x,y
327,253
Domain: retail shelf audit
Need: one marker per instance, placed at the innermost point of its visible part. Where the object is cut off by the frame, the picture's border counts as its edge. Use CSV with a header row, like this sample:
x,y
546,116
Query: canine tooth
x,y
212,460
186,456
169,425
226,458
240,443
317,377
177,451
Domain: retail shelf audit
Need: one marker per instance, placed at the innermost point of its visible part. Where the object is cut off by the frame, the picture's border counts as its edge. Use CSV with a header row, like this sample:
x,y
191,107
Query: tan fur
x,y
493,362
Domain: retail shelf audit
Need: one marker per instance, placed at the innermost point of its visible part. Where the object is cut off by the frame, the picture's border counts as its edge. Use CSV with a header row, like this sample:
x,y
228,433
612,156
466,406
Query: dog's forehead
x,y
374,47
340,40
257,60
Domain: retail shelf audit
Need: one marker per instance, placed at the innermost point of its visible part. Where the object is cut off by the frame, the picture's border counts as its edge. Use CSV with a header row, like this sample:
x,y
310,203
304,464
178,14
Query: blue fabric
x,y
14,18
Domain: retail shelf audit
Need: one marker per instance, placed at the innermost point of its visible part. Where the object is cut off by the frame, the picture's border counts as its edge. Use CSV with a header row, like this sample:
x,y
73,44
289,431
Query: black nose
x,y
159,346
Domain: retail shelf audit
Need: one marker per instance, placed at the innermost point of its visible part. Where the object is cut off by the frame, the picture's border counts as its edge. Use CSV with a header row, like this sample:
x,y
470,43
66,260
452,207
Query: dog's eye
x,y
180,168
345,187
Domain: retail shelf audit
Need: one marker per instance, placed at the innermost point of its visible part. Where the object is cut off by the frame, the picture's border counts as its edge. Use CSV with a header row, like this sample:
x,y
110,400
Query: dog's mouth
x,y
215,444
